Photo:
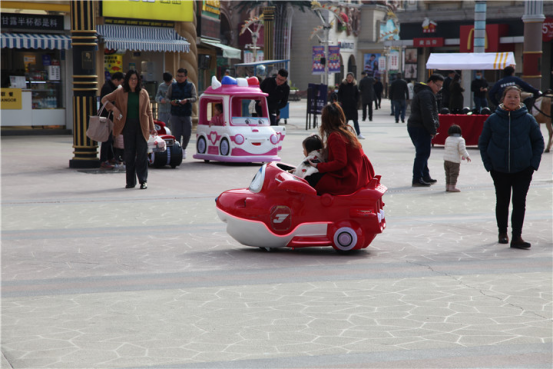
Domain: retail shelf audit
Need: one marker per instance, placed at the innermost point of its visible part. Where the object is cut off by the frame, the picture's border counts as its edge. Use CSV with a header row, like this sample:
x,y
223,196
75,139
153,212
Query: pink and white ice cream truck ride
x,y
235,135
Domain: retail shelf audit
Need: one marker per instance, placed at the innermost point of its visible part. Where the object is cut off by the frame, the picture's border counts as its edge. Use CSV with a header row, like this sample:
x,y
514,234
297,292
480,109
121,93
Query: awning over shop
x,y
35,41
228,51
142,38
470,61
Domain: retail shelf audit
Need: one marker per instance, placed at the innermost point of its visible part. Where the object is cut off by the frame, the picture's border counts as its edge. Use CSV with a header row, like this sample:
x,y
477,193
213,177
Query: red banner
x,y
428,42
547,29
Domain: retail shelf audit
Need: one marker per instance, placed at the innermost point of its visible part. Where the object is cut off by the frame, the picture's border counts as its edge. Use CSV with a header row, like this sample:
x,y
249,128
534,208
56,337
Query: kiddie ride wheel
x,y
172,156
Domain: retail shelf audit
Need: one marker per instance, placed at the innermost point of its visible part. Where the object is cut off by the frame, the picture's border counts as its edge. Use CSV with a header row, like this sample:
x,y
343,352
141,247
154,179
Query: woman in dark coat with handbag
x,y
456,95
348,96
132,116
511,146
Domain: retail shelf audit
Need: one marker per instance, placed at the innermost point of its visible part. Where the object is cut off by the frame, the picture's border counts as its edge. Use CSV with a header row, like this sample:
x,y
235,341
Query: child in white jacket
x,y
312,150
454,151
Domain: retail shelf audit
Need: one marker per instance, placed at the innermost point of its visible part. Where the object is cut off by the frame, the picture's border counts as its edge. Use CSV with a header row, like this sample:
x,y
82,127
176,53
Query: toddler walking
x,y
312,150
455,150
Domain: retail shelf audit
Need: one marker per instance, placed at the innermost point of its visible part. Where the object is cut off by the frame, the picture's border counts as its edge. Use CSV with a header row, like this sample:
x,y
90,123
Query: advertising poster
x,y
411,71
113,62
318,53
334,59
393,61
371,64
411,63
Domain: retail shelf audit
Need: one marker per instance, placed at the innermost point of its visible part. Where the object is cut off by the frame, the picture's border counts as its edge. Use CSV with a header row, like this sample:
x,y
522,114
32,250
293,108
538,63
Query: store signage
x,y
547,29
32,21
491,42
139,22
211,8
162,10
248,56
11,98
317,99
346,45
428,42
429,26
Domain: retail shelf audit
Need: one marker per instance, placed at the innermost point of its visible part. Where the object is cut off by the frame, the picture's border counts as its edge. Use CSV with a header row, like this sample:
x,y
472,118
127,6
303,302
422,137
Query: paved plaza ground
x,y
98,276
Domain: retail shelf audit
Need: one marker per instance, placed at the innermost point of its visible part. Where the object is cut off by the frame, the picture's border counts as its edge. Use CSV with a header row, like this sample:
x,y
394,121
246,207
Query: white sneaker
x,y
183,154
361,137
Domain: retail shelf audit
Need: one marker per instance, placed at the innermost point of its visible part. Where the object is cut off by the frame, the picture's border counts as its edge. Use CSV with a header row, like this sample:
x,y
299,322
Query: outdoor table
x,y
471,125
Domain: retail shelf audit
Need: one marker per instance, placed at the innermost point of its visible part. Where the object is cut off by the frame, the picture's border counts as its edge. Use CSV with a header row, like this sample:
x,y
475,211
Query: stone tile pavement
x,y
97,276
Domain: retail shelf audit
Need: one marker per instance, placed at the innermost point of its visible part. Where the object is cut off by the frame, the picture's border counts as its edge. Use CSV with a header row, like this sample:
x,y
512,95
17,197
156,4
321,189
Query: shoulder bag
x,y
99,127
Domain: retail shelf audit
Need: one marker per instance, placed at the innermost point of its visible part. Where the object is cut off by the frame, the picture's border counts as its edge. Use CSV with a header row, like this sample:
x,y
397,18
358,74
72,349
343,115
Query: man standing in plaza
x,y
366,87
182,94
378,90
164,105
479,87
399,94
278,91
510,80
422,126
445,90
107,155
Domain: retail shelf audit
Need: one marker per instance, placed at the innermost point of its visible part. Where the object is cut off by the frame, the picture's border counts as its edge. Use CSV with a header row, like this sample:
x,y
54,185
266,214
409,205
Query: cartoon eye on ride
x,y
279,209
234,124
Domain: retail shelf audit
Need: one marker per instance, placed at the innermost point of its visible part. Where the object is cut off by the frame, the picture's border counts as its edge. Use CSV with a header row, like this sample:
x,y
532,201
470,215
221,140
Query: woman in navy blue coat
x,y
511,145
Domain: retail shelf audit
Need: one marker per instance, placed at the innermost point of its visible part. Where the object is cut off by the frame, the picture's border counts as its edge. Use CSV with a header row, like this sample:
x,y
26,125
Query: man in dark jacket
x,y
479,87
366,87
509,80
399,94
182,94
106,150
378,90
445,90
422,126
278,91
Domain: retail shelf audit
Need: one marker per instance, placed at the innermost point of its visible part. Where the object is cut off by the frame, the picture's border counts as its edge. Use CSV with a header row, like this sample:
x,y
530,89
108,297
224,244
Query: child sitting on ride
x,y
218,117
347,169
312,150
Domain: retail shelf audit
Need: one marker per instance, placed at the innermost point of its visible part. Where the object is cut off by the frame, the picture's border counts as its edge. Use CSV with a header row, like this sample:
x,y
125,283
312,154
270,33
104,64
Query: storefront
x,y
214,52
143,37
35,70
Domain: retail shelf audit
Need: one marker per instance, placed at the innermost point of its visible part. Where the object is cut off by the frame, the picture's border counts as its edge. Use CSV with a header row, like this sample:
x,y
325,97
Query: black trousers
x,y
106,149
370,106
377,100
518,184
136,152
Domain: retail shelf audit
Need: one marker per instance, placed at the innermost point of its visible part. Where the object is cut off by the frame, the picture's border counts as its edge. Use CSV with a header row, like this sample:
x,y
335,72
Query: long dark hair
x,y
334,120
128,75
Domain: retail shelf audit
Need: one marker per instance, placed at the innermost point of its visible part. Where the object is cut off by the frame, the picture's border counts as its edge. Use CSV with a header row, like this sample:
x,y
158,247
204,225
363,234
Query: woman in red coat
x,y
347,168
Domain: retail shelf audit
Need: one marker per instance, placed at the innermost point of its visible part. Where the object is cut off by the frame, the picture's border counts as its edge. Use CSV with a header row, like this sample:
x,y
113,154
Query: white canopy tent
x,y
471,61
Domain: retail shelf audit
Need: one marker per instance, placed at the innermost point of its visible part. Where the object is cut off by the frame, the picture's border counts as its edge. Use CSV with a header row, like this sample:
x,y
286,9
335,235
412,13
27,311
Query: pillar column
x,y
84,42
531,60
269,24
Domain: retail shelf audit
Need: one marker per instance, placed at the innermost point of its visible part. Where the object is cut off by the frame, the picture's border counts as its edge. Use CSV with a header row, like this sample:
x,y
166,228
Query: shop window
x,y
42,73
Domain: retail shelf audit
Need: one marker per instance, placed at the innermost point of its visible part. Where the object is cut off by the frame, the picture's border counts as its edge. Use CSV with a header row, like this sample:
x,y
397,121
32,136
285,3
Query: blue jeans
x,y
399,107
356,126
422,141
480,102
